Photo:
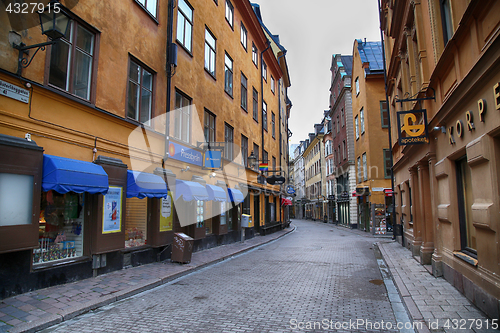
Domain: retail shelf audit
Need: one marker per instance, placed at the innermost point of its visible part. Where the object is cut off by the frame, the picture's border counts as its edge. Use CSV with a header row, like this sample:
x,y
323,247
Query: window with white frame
x,y
360,170
362,120
185,24
149,5
264,71
356,126
182,117
243,35
228,139
365,167
254,55
356,83
140,93
210,52
228,75
244,93
229,13
272,84
264,115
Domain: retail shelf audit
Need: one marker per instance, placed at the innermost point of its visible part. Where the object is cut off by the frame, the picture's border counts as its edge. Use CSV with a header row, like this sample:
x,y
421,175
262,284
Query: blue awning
x,y
145,185
235,195
190,190
216,193
68,175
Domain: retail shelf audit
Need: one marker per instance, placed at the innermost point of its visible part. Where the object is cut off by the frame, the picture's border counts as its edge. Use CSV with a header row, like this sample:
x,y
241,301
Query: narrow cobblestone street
x,y
318,273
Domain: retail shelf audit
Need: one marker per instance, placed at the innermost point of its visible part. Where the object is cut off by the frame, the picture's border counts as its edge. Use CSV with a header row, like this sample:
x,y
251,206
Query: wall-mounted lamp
x,y
440,128
54,23
212,175
185,169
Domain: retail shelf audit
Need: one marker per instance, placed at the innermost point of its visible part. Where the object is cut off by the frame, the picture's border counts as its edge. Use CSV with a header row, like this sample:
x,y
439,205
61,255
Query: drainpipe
x,y
262,91
170,62
389,123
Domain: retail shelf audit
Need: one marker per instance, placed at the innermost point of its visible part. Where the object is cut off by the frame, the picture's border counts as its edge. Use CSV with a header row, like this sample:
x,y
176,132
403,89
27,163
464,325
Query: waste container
x,y
182,248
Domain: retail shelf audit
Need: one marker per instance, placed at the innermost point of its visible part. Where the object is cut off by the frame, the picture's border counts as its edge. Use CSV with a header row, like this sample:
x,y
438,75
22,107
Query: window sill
x,y
227,93
467,258
184,48
62,262
246,111
211,75
147,12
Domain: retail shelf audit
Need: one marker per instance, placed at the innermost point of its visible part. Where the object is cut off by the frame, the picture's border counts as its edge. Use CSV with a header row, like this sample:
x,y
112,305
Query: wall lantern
x,y
54,23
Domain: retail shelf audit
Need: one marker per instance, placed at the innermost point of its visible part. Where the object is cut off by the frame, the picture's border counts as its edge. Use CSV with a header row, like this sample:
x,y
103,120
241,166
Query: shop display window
x,y
16,197
199,214
60,227
136,222
223,213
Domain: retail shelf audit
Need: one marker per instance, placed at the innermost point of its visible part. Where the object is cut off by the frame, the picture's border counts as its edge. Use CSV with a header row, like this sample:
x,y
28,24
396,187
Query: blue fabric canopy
x,y
190,190
216,193
235,195
145,185
65,175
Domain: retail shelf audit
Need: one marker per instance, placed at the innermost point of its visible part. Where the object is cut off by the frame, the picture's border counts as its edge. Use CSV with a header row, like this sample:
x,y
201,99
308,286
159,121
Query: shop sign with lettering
x,y
183,153
411,129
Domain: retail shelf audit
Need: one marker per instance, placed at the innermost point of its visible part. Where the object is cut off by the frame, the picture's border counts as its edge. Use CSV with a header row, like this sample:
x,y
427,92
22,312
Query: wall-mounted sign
x,y
275,180
412,127
185,154
14,92
112,210
212,159
290,189
166,215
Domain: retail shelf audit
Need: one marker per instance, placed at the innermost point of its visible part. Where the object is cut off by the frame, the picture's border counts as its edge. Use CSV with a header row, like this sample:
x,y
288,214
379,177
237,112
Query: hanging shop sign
x,y
14,92
412,127
290,189
186,154
212,159
112,210
166,215
275,180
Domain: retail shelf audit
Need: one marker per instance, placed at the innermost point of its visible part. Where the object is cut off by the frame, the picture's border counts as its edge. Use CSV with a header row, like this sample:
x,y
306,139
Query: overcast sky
x,y
312,31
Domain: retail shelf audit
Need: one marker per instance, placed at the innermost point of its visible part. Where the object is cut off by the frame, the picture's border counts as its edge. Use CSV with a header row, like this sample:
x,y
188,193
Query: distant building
x,y
371,143
342,137
314,174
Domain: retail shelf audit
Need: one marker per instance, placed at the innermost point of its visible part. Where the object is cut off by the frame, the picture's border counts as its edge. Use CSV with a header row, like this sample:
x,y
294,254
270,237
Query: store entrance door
x,y
256,213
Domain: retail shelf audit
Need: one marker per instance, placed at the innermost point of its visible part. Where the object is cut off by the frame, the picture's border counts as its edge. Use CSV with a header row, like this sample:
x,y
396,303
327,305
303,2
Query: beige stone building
x,y
446,53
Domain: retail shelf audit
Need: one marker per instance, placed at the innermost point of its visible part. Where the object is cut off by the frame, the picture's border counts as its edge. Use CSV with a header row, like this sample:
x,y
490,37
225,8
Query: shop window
x,y
136,222
223,212
16,199
464,186
199,214
60,227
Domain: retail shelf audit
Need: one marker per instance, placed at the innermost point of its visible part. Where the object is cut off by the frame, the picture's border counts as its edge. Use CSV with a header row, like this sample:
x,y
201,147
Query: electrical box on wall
x,y
98,261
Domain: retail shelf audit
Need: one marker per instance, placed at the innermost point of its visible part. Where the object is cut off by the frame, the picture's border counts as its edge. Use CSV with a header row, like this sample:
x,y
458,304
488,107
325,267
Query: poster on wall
x,y
166,214
112,210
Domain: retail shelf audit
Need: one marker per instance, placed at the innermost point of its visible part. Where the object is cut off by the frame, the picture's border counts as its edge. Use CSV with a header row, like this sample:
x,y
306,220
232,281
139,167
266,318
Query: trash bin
x,y
182,248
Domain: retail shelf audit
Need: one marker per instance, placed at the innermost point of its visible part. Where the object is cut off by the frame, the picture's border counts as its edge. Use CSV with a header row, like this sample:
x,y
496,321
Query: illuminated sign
x,y
412,127
184,154
212,159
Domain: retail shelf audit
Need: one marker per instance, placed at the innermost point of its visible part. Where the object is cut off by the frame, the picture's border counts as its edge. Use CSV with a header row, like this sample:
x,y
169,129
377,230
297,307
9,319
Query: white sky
x,y
312,31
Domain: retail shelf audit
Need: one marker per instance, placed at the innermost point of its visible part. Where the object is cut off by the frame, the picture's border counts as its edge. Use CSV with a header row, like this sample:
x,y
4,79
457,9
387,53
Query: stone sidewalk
x,y
43,308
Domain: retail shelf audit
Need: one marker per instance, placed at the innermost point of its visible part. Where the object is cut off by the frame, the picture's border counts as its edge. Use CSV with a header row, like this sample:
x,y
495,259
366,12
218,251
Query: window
x,y
387,163
344,151
272,84
339,157
256,154
365,167
228,75
182,118
72,61
465,200
244,97
210,52
446,20
342,119
228,139
140,93
229,13
244,150
149,5
383,114
264,71
264,115
265,157
360,170
243,36
136,222
254,55
356,83
362,120
338,125
185,24
356,126
273,125
255,105
209,126
274,163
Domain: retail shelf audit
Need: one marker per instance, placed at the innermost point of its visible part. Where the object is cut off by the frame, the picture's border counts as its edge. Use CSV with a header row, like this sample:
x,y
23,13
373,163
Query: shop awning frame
x,y
65,175
235,195
216,193
145,185
190,190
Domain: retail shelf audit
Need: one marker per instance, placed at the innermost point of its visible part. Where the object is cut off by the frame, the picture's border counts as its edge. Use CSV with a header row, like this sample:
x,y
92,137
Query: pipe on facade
x,y
262,92
170,28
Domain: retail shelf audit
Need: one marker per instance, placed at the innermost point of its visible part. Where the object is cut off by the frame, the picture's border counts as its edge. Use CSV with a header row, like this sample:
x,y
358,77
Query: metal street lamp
x,y
54,23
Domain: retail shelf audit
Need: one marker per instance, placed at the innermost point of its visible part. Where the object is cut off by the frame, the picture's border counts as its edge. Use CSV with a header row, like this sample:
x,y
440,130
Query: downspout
x,y
170,62
389,123
279,123
262,91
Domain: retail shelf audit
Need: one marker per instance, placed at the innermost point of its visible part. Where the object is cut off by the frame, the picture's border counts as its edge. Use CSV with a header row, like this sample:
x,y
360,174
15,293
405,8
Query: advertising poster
x,y
112,210
166,214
